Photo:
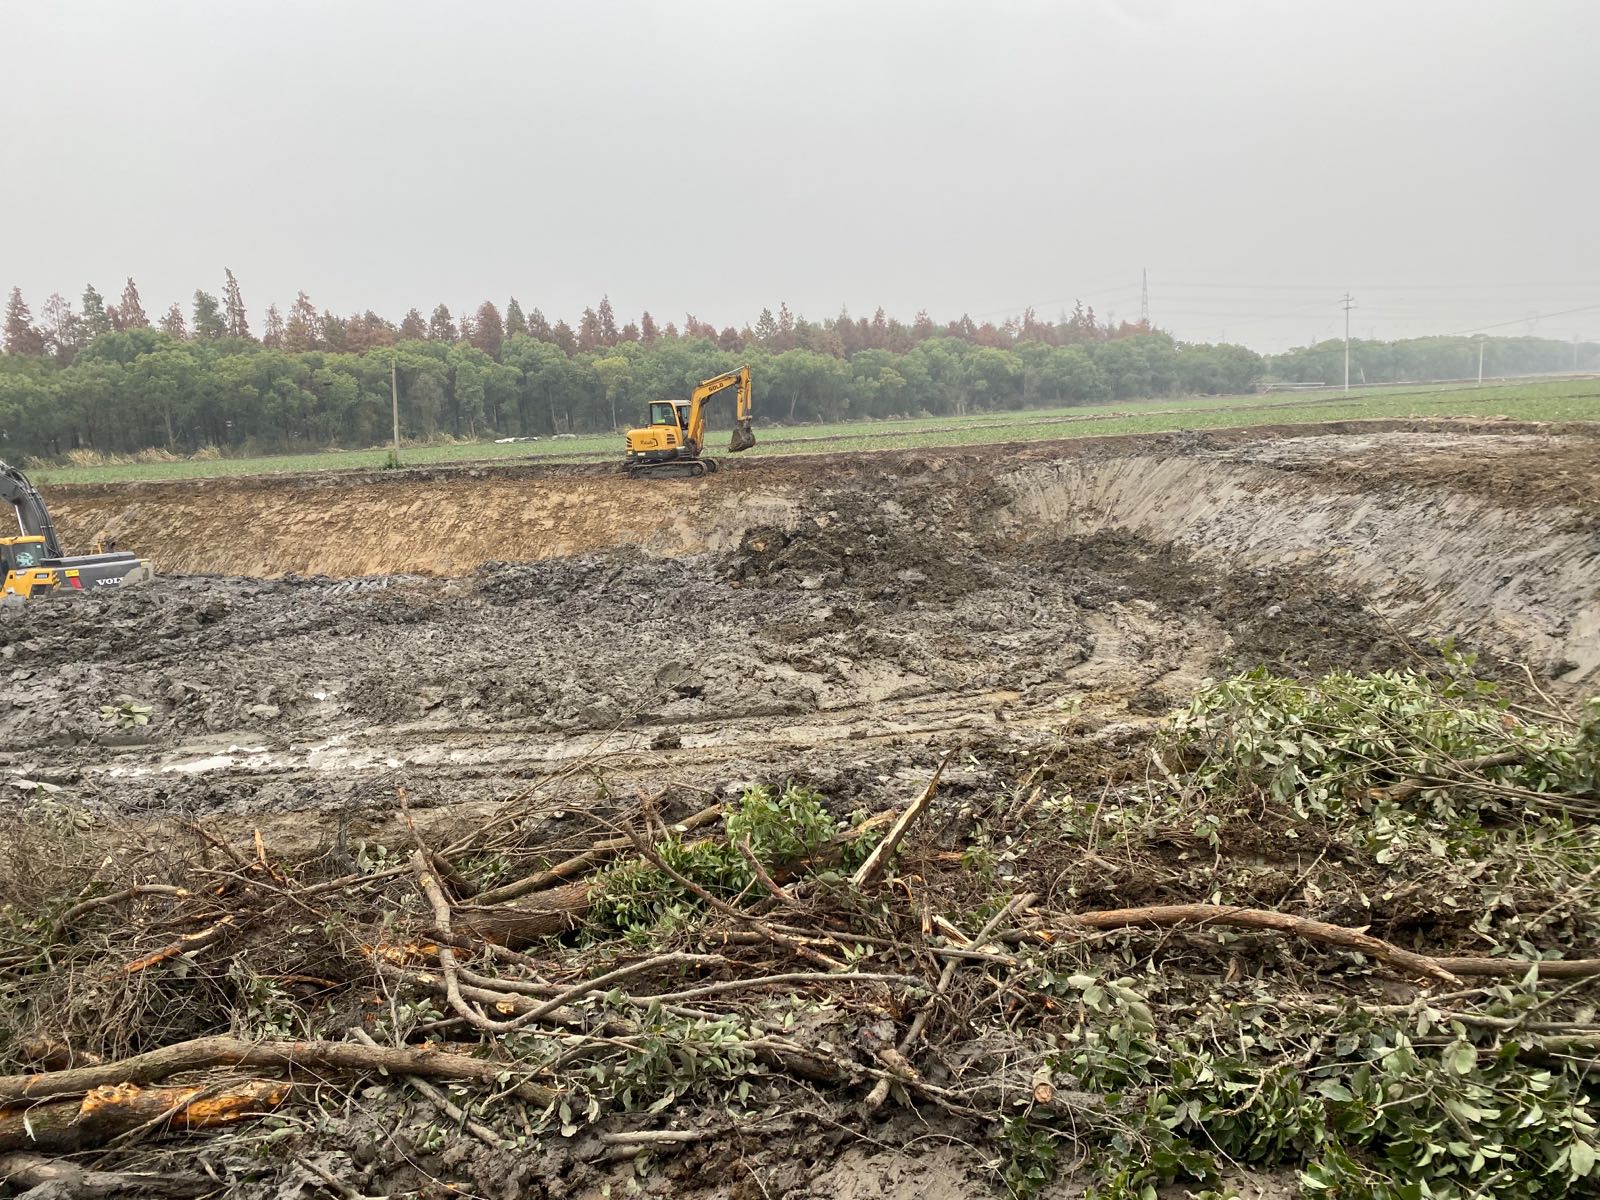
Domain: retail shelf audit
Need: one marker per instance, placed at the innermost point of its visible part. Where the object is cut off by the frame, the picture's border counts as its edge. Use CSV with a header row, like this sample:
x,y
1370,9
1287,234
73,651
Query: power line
x,y
1375,287
1520,320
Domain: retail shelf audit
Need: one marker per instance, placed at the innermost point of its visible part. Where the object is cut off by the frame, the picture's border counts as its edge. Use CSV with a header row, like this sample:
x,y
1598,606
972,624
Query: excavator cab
x,y
22,568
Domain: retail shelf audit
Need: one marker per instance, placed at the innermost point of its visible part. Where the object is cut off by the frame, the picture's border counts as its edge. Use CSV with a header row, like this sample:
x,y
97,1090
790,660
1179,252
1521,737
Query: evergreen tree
x,y
61,328
370,331
412,327
303,330
440,327
647,328
487,331
333,331
130,312
608,322
515,321
96,320
21,336
766,327
272,333
630,332
209,324
539,328
173,322
467,330
563,337
233,307
589,330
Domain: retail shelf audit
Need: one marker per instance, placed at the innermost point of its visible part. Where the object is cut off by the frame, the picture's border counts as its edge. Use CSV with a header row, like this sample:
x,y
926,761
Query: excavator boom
x,y
743,437
32,516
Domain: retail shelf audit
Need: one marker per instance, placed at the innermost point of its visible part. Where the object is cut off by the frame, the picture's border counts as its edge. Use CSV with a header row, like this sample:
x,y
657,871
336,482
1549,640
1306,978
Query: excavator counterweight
x,y
671,443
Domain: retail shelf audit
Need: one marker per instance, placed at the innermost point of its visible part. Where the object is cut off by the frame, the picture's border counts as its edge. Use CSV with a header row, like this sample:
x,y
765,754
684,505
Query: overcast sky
x,y
1437,157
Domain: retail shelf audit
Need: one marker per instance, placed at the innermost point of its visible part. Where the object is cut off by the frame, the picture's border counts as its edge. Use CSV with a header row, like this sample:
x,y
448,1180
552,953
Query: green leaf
x,y
1333,1090
1460,1057
1581,1159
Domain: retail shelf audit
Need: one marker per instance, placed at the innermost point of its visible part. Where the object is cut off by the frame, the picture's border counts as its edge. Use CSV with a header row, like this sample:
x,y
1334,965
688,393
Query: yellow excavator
x,y
671,443
33,563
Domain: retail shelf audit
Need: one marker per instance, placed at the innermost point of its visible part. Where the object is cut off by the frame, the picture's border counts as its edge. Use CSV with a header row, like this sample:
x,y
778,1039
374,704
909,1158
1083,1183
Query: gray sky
x,y
1437,157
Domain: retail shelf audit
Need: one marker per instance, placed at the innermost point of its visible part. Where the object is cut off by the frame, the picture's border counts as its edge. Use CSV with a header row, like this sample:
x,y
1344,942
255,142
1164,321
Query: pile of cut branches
x,y
1341,929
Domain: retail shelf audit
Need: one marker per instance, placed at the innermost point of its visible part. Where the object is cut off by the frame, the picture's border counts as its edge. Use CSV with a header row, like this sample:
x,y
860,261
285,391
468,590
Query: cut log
x,y
111,1111
542,915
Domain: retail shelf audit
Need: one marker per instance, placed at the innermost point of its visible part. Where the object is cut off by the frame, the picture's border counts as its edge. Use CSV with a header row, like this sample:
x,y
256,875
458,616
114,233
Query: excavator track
x,y
691,468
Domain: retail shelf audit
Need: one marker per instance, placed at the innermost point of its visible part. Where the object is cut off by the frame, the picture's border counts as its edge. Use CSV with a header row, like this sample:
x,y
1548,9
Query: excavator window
x,y
661,414
20,556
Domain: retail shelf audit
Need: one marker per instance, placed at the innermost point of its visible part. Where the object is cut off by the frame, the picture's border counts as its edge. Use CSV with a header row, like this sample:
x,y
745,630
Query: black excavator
x,y
34,563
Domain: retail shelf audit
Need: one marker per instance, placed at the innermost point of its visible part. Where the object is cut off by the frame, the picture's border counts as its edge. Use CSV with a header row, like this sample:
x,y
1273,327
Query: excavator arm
x,y
32,515
743,436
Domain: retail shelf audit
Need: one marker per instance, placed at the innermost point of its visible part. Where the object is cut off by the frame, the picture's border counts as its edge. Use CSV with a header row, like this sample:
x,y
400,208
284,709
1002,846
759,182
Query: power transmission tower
x,y
1144,297
1348,303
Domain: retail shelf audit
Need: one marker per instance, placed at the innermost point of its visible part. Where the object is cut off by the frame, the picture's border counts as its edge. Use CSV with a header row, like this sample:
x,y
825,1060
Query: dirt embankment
x,y
1450,528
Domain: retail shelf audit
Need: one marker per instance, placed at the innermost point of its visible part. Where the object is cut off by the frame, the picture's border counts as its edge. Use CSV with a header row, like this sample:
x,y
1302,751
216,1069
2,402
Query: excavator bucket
x,y
743,437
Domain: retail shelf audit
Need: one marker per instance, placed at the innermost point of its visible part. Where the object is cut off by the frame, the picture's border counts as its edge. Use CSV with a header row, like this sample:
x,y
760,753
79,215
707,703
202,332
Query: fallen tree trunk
x,y
107,1113
540,916
312,1060
1164,916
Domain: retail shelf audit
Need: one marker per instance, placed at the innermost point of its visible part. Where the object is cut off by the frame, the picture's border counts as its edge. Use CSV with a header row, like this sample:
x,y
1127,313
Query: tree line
x,y
1431,358
103,376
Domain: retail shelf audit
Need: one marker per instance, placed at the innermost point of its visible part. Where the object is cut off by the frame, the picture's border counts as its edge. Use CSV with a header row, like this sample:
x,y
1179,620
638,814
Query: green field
x,y
1555,400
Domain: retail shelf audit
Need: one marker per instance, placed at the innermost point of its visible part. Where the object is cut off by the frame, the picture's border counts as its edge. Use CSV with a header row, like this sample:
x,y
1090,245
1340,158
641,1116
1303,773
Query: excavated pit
x,y
838,619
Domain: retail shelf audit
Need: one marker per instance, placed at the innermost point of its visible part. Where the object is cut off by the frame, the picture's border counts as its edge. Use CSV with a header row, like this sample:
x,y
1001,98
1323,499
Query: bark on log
x,y
1549,968
307,1060
109,1112
540,916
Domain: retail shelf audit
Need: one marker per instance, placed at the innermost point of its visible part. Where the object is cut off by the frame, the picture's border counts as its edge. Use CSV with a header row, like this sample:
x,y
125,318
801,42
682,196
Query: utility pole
x,y
1481,340
1144,298
394,404
1348,305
